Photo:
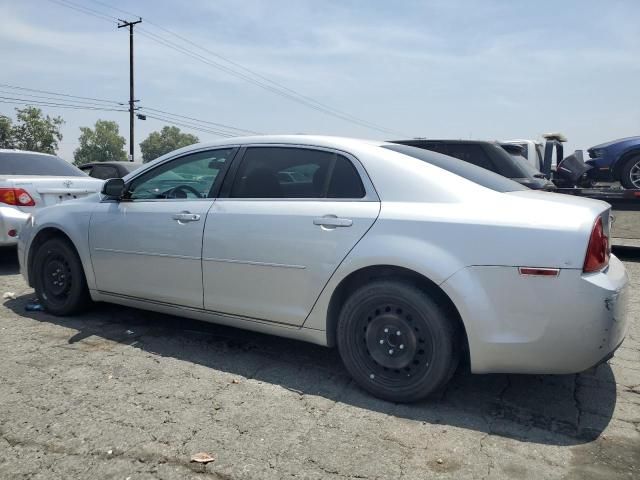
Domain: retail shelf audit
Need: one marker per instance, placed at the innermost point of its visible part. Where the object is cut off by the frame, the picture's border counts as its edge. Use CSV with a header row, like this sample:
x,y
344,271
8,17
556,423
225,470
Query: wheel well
x,y
624,159
41,237
360,277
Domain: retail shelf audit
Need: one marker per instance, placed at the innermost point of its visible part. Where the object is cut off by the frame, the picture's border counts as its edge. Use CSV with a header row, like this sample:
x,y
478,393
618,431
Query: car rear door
x,y
150,246
273,240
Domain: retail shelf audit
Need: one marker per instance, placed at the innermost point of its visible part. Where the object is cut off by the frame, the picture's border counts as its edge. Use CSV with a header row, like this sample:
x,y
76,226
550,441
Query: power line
x,y
271,85
56,99
85,10
41,103
193,127
242,130
52,98
14,87
207,61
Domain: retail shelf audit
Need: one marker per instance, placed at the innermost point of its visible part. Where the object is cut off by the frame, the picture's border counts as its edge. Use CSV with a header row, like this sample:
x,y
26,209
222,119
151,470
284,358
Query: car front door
x,y
149,245
286,219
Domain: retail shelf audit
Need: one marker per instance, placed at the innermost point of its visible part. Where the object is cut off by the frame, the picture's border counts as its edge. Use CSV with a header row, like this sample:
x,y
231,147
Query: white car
x,y
405,259
31,180
532,151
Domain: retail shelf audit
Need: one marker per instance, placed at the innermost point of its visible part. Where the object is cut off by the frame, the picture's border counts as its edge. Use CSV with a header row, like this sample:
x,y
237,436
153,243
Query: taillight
x,y
598,250
16,196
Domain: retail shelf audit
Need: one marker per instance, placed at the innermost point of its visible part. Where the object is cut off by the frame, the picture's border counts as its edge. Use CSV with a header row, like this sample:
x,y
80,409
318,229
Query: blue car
x,y
616,160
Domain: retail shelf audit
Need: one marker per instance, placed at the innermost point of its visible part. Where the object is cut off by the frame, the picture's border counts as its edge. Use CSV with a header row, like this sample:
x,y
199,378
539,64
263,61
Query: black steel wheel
x,y
59,279
396,342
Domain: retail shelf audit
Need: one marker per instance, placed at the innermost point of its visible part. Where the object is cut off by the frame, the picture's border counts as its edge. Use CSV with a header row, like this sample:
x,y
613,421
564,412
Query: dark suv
x,y
487,155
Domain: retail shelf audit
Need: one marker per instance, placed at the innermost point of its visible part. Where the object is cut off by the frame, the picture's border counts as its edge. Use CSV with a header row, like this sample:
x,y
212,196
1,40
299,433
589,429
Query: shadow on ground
x,y
628,254
8,261
557,410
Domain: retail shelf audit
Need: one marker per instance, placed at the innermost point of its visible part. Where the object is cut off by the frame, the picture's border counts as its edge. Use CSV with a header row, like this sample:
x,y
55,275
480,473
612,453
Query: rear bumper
x,y
519,324
11,219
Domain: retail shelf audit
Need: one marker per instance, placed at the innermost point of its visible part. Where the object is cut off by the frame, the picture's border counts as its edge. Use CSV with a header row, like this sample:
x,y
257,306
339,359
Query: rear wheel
x,y
630,173
59,279
396,341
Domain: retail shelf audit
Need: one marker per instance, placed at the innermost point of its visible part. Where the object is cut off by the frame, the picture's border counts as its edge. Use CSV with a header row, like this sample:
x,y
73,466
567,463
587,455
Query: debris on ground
x,y
202,457
129,332
34,306
9,296
235,380
440,461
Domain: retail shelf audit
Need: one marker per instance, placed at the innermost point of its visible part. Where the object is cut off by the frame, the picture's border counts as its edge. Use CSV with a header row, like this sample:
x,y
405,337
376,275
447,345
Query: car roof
x,y
122,162
327,141
418,141
25,152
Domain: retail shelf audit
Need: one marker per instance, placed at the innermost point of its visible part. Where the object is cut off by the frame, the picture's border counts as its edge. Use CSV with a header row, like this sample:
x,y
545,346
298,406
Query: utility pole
x,y
132,100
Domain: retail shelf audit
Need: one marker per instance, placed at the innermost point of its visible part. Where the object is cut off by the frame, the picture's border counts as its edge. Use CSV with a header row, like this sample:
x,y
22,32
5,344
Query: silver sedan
x,y
408,261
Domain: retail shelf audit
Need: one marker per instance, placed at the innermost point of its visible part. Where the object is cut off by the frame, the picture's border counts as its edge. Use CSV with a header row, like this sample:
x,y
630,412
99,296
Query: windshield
x,y
513,166
524,163
15,163
471,172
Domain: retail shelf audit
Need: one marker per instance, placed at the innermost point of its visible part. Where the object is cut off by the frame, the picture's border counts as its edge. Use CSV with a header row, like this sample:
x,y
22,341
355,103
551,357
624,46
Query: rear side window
x,y
478,175
14,163
278,172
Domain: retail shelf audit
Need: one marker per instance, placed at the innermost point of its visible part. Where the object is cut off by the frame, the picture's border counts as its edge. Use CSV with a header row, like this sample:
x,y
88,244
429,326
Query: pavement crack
x,y
577,403
490,464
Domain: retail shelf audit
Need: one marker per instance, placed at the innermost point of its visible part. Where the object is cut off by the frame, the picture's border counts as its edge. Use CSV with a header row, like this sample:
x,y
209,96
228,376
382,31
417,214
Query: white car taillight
x,y
597,256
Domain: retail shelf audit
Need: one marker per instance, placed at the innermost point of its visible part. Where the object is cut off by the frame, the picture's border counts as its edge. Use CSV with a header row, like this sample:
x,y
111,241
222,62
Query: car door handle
x,y
185,217
332,221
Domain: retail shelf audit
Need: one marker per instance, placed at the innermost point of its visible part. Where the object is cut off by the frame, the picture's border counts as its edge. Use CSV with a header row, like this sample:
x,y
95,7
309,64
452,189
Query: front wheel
x,y
59,279
630,173
396,341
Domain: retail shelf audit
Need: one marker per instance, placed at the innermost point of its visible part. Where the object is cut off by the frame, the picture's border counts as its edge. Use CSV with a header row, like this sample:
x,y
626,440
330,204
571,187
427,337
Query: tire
x,y
59,278
397,342
630,173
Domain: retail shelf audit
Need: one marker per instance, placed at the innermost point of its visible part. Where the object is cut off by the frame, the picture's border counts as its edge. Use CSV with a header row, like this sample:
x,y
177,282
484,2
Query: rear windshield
x,y
36,164
478,175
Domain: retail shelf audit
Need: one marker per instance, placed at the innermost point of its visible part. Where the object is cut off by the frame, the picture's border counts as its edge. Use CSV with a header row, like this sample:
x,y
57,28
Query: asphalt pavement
x,y
121,393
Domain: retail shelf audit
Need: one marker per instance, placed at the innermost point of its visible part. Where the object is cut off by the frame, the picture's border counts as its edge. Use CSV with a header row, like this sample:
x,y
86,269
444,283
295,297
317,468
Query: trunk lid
x,y
47,191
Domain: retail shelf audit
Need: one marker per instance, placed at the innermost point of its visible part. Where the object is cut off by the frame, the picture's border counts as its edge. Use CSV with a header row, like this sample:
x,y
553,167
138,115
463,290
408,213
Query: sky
x,y
490,69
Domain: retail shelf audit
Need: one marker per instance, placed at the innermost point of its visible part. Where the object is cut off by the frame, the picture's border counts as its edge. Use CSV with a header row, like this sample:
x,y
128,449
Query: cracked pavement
x,y
121,393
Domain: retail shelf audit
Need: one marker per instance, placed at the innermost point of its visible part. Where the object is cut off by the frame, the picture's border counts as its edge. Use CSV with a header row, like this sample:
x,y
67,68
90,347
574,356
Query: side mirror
x,y
114,187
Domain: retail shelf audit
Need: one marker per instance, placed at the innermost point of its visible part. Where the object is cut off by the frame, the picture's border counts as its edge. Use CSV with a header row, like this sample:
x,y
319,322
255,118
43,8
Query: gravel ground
x,y
121,393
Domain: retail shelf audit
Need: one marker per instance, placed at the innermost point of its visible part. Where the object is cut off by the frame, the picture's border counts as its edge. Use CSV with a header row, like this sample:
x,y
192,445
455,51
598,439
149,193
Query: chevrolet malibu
x,y
406,260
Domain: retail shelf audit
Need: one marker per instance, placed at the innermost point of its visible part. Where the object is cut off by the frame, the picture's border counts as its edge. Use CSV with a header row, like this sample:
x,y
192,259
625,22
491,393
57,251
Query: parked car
x,y
105,170
30,180
489,155
11,221
405,259
618,160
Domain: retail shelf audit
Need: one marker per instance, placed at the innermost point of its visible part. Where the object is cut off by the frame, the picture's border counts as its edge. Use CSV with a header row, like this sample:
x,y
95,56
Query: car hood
x,y
620,140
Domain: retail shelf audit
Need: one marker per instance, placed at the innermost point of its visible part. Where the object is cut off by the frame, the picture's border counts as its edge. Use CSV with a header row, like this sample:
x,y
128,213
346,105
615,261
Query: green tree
x,y
102,144
35,132
165,141
6,137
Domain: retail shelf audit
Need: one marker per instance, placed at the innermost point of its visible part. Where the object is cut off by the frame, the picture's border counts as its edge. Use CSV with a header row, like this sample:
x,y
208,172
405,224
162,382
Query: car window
x,y
279,172
104,172
478,175
18,163
471,153
345,181
191,176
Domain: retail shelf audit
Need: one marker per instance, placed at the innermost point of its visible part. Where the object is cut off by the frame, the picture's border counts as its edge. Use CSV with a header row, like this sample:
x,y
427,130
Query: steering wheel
x,y
180,191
